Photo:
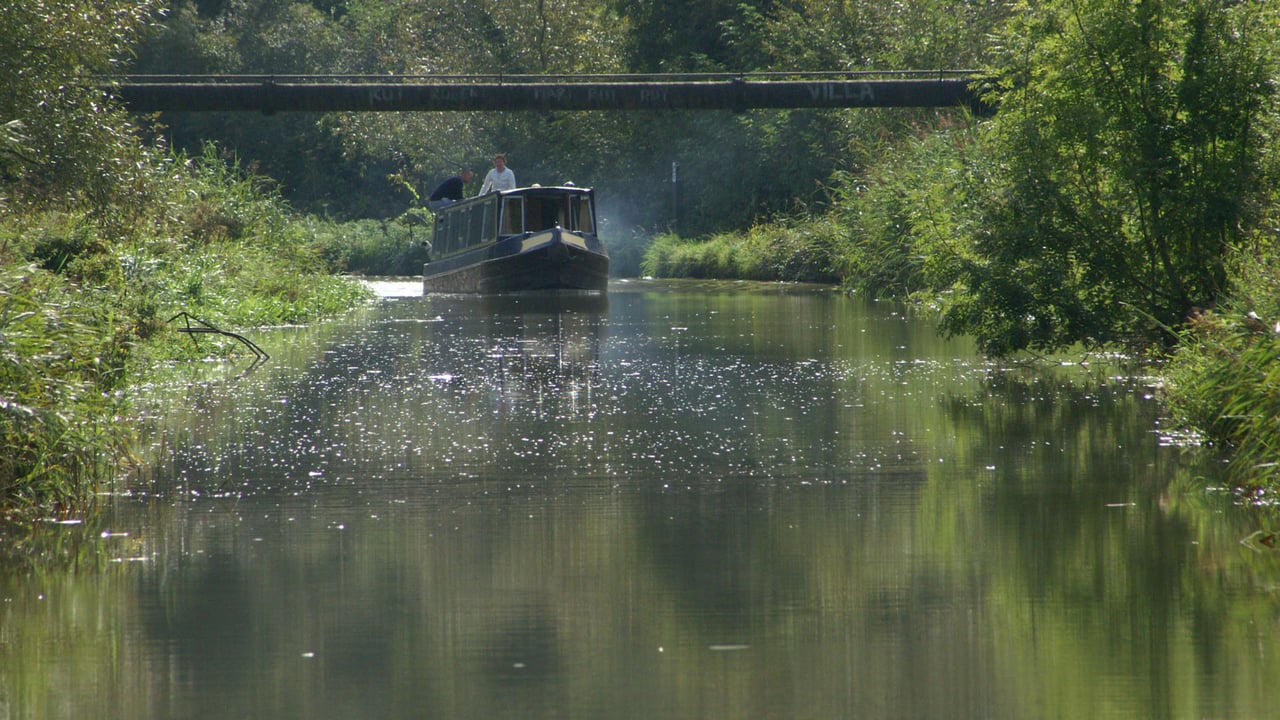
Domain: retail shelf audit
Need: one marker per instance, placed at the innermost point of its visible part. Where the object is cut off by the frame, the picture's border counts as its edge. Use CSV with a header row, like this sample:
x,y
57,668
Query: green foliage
x,y
82,311
880,35
679,36
1124,164
891,230
1226,384
63,141
230,251
1223,380
68,156
779,251
61,361
907,212
372,247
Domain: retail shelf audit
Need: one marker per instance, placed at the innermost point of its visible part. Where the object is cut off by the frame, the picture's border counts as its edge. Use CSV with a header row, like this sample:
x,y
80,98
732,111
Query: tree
x,y
63,141
1124,163
880,34
681,36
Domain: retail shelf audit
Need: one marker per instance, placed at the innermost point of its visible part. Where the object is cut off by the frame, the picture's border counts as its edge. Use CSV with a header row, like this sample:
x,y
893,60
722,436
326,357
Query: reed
x,y
60,376
1223,381
786,250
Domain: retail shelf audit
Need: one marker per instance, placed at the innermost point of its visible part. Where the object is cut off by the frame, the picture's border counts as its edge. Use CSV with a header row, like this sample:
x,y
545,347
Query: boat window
x,y
544,213
475,225
460,230
513,216
580,211
444,225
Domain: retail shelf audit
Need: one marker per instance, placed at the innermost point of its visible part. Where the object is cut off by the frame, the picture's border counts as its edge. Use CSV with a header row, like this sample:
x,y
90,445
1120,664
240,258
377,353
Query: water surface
x,y
687,500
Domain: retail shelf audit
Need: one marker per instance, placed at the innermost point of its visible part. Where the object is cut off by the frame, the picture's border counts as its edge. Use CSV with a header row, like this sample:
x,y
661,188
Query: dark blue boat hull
x,y
555,260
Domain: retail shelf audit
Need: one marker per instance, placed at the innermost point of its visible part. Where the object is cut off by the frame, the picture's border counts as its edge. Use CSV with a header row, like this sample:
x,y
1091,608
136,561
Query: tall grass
x,y
1224,378
61,366
785,250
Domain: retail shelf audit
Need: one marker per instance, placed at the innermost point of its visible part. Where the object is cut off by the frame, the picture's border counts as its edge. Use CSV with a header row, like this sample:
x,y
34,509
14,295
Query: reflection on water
x,y
545,347
685,500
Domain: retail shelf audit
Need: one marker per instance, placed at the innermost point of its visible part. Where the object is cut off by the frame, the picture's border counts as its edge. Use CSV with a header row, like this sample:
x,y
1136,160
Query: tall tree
x,y
880,34
1123,165
61,140
700,36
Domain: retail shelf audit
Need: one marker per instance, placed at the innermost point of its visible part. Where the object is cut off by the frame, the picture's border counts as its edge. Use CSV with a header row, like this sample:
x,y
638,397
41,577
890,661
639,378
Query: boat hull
x,y
554,261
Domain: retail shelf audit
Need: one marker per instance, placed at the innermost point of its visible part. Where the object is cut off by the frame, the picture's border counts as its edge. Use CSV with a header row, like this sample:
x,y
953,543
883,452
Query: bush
x,y
906,213
372,247
1126,162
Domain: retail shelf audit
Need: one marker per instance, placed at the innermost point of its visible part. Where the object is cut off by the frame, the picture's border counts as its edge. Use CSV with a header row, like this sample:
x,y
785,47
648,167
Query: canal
x,y
689,500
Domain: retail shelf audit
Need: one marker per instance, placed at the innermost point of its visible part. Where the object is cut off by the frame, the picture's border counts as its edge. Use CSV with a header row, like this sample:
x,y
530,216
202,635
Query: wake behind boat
x,y
533,238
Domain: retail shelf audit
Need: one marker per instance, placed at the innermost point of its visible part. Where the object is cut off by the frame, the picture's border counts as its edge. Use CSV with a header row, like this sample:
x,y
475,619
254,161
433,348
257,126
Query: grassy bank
x,y
788,250
87,302
373,247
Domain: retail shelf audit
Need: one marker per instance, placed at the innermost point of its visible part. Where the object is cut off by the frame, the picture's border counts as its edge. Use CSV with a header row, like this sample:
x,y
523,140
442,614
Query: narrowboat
x,y
531,238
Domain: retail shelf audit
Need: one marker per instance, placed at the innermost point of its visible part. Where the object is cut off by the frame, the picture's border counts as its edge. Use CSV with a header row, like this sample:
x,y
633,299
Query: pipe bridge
x,y
458,93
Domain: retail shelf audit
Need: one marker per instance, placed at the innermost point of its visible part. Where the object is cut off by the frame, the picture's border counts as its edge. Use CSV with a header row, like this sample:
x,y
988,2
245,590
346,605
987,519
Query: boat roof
x,y
537,189
534,190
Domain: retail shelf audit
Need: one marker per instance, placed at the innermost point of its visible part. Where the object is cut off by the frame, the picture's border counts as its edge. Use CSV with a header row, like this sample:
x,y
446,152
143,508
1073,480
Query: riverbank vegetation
x,y
104,239
87,305
1121,195
801,251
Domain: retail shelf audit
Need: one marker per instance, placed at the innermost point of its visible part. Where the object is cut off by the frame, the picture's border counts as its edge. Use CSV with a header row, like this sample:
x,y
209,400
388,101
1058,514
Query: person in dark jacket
x,y
449,191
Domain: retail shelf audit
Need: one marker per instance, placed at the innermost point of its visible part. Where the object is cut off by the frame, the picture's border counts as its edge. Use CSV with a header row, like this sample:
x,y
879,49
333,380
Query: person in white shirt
x,y
500,177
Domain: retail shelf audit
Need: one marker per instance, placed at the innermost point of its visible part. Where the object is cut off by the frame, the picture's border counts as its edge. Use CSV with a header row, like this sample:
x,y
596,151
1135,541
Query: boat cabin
x,y
475,222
